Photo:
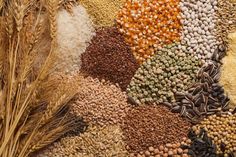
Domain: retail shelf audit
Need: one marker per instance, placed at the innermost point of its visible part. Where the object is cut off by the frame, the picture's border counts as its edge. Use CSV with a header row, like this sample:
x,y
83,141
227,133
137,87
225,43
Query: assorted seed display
x,y
150,73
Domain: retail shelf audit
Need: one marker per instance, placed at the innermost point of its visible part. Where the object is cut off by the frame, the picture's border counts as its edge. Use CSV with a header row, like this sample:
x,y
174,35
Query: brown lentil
x,y
100,102
148,24
154,126
109,57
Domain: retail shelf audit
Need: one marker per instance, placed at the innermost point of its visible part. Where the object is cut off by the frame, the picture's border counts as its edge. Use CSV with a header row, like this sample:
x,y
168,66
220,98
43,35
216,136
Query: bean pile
x,y
109,57
222,129
100,102
74,34
152,126
149,24
167,72
102,12
96,142
165,150
199,27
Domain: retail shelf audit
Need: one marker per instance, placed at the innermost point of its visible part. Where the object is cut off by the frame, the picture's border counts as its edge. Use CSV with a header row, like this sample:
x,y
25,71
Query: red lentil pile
x,y
109,57
149,24
146,126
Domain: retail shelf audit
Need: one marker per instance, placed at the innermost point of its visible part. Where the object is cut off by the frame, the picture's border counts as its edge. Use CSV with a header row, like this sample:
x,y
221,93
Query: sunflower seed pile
x,y
205,97
201,145
167,72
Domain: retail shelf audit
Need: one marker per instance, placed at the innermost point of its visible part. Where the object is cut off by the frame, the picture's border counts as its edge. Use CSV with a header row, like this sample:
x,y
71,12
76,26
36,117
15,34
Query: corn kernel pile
x,y
149,24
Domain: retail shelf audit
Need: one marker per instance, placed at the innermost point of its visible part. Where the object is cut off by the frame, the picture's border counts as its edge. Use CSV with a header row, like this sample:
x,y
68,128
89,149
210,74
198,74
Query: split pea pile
x,y
199,27
222,129
164,74
149,24
95,142
152,126
109,57
100,103
165,150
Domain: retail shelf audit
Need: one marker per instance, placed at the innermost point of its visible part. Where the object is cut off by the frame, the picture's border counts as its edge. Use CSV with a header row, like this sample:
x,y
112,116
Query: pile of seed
x,y
102,12
149,24
95,142
165,150
167,72
73,36
199,21
222,129
100,102
109,57
228,74
227,18
201,145
204,98
153,126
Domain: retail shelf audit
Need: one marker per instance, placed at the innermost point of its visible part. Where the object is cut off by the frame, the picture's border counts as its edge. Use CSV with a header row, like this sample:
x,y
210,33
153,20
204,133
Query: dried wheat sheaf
x,y
33,106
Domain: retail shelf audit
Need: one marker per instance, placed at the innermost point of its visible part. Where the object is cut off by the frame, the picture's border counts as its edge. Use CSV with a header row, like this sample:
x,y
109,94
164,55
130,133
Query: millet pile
x,y
149,24
109,57
102,12
100,103
167,72
152,126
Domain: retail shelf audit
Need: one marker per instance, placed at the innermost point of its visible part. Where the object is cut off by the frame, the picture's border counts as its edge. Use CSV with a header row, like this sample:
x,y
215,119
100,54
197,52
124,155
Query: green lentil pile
x,y
169,71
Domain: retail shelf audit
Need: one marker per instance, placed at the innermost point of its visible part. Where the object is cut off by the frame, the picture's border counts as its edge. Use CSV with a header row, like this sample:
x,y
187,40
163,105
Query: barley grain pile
x,y
102,12
109,57
147,126
74,34
96,142
100,102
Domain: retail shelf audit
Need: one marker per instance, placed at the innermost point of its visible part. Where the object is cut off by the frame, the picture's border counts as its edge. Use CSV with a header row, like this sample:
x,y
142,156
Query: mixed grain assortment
x,y
150,79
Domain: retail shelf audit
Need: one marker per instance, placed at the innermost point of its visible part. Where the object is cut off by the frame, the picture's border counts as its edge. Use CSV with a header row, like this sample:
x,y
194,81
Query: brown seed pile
x,y
95,142
148,24
100,102
102,12
154,126
222,129
173,150
109,57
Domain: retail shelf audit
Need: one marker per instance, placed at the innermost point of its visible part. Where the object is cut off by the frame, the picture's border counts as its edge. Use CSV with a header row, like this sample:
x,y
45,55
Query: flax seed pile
x,y
157,78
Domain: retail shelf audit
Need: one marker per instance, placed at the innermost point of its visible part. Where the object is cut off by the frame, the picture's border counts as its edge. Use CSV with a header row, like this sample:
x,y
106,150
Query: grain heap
x,y
109,57
149,24
160,77
96,142
153,126
199,27
102,12
228,75
222,129
100,102
74,34
165,150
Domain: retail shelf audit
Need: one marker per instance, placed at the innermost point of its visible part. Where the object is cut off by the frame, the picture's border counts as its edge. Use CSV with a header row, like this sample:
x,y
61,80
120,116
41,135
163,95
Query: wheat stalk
x,y
27,96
